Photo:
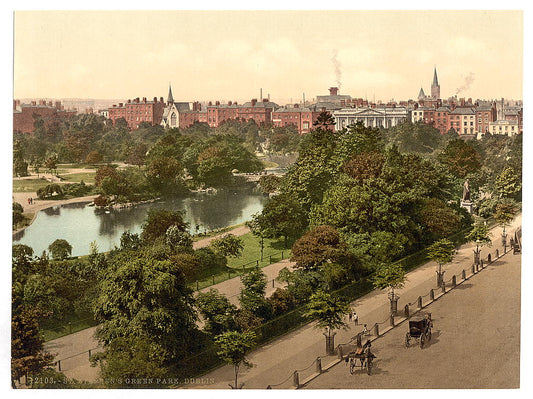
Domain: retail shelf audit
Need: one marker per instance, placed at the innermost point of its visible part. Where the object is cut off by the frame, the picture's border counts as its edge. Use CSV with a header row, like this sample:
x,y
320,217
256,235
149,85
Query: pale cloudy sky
x,y
230,55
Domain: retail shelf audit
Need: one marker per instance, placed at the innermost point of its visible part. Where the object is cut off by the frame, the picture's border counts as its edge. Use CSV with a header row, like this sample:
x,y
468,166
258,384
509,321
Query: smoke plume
x,y
337,67
466,85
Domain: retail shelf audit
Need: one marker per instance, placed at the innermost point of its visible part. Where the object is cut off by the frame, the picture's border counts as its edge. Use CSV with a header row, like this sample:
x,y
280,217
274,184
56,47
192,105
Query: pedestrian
x,y
350,316
365,330
355,318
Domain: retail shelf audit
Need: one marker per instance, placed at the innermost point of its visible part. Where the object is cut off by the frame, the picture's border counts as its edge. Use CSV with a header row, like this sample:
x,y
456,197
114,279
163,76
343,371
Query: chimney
x,y
333,91
58,105
155,100
34,103
120,104
160,99
254,101
209,103
265,100
50,104
296,106
144,99
234,102
217,103
14,105
229,103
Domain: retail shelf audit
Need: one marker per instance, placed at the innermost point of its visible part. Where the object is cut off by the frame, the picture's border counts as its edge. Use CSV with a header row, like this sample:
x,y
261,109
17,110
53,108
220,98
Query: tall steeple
x,y
170,99
435,87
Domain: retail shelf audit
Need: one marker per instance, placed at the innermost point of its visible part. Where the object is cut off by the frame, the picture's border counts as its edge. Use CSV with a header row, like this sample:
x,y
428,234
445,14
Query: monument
x,y
465,201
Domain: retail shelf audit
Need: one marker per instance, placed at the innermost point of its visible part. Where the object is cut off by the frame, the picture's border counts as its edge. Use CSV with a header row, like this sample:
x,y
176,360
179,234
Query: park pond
x,y
81,224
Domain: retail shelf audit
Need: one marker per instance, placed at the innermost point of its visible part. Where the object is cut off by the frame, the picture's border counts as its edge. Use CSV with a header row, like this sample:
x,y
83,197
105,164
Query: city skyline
x,y
231,55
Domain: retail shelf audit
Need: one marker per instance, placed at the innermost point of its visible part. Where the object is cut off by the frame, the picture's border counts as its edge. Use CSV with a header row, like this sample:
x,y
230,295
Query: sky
x,y
231,55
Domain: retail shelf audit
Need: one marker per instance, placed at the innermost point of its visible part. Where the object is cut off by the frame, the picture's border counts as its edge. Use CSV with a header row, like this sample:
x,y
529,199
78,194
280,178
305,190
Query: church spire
x,y
170,99
435,80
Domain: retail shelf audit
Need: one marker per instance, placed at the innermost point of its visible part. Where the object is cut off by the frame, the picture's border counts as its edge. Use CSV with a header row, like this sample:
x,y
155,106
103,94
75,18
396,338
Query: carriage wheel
x,y
422,339
352,366
407,340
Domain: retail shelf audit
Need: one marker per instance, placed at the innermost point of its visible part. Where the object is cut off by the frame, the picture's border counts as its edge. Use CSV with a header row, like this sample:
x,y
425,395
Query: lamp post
x,y
477,251
393,298
504,240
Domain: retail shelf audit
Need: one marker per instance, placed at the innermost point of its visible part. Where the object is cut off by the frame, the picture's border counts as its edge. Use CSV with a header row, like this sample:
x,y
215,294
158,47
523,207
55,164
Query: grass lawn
x,y
78,177
71,324
250,259
28,185
269,164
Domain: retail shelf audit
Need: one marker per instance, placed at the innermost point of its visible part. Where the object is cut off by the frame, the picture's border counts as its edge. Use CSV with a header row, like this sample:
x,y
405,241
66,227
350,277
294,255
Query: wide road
x,y
475,342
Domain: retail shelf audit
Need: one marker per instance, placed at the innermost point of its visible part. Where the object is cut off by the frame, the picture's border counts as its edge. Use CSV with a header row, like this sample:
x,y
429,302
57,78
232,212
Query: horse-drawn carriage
x,y
365,357
419,329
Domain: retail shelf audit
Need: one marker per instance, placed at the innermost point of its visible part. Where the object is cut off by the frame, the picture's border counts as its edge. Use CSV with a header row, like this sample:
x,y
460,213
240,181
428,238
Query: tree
x,y
269,183
228,245
27,344
318,246
137,155
329,312
439,219
508,184
461,157
281,301
50,164
93,157
158,222
233,347
18,216
105,171
283,216
20,166
60,249
258,228
364,166
503,215
480,235
252,296
145,295
390,276
178,239
441,252
217,310
164,173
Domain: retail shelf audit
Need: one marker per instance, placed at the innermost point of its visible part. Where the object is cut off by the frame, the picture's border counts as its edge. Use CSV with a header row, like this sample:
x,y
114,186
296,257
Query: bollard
x,y
69,327
89,354
406,311
281,255
273,283
376,330
420,302
454,281
257,263
59,365
319,365
213,279
489,258
463,275
197,286
391,320
443,287
296,379
431,295
482,264
473,269
270,259
229,274
339,348
497,253
269,387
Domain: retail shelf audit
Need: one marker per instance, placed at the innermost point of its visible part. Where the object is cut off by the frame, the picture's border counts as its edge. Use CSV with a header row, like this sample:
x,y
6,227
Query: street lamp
x,y
393,298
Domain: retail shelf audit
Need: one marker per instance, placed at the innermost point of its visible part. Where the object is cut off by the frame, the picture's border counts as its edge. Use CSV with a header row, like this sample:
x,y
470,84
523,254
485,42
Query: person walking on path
x,y
350,315
355,318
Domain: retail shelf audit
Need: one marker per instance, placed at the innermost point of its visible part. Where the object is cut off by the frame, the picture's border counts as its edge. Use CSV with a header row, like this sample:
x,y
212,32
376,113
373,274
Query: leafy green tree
x,y
439,219
318,246
390,276
50,164
330,312
441,252
137,154
127,359
508,184
214,167
460,157
179,240
130,241
18,216
27,345
233,347
283,216
258,227
158,222
188,263
60,249
505,213
364,166
269,183
93,157
252,296
479,235
20,166
281,301
415,137
217,310
105,171
228,245
144,295
164,173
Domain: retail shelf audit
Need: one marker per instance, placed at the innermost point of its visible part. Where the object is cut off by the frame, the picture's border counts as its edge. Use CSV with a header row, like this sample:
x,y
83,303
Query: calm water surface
x,y
80,224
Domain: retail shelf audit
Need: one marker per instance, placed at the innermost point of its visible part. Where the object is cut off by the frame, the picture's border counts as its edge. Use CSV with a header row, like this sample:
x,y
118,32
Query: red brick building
x,y
484,115
302,118
25,115
137,111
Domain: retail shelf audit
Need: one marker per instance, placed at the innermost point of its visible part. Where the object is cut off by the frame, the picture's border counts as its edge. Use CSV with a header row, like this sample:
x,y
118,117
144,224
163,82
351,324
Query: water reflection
x,y
80,224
